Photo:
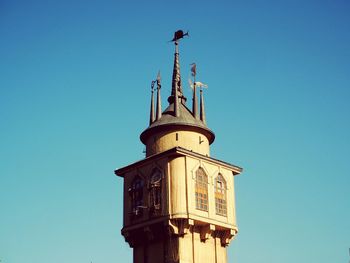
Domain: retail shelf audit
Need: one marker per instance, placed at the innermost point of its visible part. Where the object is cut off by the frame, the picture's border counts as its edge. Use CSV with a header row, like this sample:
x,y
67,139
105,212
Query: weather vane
x,y
195,83
178,35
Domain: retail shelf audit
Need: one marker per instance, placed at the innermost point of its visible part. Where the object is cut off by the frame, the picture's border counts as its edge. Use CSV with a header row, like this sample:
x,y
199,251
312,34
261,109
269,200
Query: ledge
x,y
181,152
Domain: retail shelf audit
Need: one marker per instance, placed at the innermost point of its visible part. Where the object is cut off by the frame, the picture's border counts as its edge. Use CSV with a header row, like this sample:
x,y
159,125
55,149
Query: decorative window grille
x,y
220,196
155,189
201,190
136,194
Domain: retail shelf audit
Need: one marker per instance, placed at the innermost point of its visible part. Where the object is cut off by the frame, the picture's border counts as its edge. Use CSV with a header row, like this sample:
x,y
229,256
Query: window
x,y
136,194
220,195
155,189
201,190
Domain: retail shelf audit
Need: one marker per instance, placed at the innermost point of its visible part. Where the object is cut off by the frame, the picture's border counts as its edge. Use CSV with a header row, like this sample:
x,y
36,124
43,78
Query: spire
x,y
176,104
152,117
202,112
176,80
159,102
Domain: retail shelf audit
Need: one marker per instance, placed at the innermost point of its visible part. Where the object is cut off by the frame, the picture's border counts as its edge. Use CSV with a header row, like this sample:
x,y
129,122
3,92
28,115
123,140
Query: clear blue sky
x,y
74,97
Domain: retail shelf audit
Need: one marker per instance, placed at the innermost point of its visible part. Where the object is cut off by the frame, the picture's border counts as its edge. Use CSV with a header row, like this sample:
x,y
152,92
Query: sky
x,y
74,97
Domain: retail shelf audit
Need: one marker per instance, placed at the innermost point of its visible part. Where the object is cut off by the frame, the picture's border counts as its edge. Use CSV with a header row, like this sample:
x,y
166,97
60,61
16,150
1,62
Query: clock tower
x,y
179,202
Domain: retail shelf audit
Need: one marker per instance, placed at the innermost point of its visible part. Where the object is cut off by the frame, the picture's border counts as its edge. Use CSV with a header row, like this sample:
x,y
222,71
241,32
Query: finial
x,y
152,117
159,103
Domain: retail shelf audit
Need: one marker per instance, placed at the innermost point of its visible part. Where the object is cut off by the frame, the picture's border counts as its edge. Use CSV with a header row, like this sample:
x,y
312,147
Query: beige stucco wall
x,y
178,190
189,140
178,205
182,175
186,249
145,171
193,249
177,183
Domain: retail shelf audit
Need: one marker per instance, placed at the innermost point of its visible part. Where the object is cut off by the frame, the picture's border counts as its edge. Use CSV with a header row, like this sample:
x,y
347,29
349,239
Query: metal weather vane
x,y
193,70
197,84
193,84
178,35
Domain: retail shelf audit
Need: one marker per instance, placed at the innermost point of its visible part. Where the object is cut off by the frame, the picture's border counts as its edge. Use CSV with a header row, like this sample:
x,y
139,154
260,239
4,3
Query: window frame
x,y
136,195
220,193
201,190
155,189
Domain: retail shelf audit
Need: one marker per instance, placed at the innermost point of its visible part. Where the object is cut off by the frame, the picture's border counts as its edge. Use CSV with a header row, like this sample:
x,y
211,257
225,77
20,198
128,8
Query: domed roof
x,y
177,116
185,121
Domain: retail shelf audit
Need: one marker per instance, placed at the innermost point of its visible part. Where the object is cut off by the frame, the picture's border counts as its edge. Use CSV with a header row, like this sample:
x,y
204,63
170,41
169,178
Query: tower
x,y
179,204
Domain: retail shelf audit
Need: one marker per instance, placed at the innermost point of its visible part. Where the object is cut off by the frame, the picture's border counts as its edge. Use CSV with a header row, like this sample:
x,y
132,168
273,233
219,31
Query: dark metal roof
x,y
185,121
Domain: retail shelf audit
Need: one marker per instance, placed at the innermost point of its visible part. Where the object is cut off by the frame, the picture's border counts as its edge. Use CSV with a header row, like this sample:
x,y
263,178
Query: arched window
x,y
155,189
220,195
136,194
201,190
